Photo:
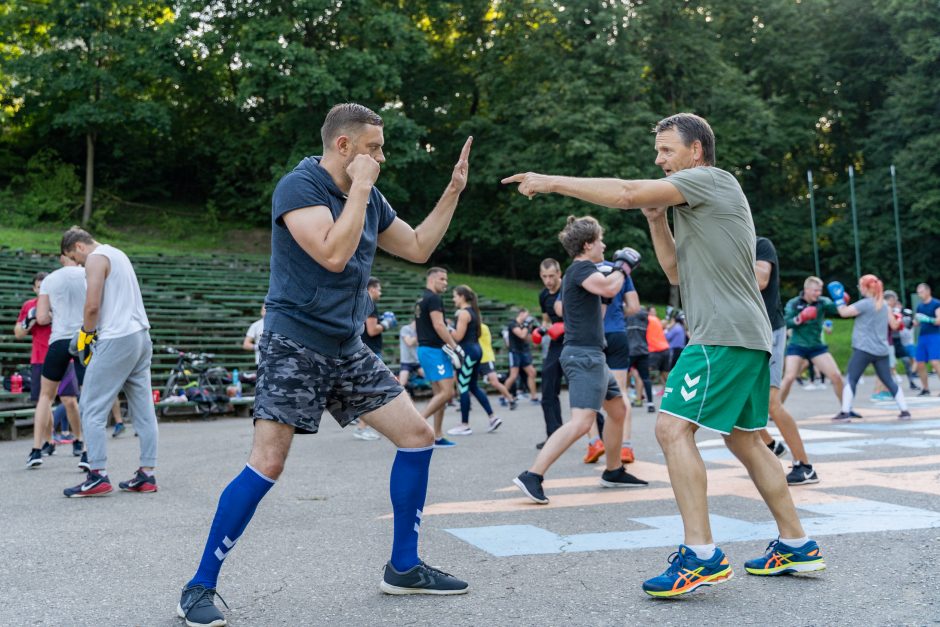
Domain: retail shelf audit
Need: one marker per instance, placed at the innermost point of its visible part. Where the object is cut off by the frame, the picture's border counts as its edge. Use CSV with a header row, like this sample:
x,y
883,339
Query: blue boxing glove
x,y
389,321
837,293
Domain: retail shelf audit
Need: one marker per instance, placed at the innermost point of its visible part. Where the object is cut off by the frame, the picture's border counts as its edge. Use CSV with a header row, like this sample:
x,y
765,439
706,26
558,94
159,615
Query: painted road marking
x,y
819,449
731,480
841,516
808,435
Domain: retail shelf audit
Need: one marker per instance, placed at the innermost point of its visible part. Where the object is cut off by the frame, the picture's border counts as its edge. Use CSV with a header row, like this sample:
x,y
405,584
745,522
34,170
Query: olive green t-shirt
x,y
715,245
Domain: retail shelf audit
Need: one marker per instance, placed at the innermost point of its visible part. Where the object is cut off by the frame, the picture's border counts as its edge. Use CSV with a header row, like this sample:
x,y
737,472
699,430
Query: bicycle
x,y
196,377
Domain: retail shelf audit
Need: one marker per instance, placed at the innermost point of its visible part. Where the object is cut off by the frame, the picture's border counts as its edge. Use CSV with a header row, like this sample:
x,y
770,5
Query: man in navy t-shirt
x,y
328,218
927,317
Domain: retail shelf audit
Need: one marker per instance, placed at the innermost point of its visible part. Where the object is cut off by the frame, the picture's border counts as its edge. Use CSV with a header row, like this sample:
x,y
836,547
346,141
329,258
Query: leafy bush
x,y
49,191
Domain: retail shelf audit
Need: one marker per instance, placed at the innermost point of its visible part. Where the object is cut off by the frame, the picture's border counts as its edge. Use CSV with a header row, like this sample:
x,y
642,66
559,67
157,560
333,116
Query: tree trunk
x,y
89,175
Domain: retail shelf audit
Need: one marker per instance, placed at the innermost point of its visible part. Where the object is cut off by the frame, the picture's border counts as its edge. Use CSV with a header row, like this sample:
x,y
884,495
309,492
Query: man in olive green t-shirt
x,y
721,381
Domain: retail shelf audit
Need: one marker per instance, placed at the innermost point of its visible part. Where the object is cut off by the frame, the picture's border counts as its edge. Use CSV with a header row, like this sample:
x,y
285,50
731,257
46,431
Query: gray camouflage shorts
x,y
295,384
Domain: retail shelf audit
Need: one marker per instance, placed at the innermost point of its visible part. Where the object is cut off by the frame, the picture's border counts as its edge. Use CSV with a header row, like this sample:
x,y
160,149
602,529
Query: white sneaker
x,y
494,424
461,430
366,434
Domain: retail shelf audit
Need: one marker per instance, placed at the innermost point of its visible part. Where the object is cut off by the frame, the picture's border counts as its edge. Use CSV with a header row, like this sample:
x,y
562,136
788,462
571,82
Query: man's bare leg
x,y
562,439
443,391
826,364
687,475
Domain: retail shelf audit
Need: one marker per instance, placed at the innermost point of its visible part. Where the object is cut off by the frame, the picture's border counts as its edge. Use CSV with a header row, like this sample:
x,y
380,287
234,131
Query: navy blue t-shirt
x,y
584,325
929,308
613,317
320,309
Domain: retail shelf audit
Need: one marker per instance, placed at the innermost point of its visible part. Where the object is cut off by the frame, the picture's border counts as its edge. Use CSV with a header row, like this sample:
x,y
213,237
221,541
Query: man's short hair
x,y
372,282
550,264
578,232
75,235
346,118
812,280
436,270
891,294
39,276
690,128
923,285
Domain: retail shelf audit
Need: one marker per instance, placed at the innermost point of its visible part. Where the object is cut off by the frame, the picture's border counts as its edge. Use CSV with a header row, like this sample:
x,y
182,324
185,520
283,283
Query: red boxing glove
x,y
807,314
556,330
537,336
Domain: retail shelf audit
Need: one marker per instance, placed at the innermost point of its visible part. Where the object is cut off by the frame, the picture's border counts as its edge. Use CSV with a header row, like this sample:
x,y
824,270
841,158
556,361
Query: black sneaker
x,y
802,474
854,414
777,448
93,485
904,415
915,387
421,579
540,445
83,463
924,392
198,609
48,449
140,482
513,404
35,458
842,417
531,484
620,478
77,447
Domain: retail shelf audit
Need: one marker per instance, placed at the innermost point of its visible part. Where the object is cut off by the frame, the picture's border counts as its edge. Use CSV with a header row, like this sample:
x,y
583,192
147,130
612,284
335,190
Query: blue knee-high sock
x,y
408,487
236,507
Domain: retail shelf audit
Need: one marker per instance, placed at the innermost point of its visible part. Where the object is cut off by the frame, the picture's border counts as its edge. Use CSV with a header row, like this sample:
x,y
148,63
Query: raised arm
x,y
417,244
613,193
663,242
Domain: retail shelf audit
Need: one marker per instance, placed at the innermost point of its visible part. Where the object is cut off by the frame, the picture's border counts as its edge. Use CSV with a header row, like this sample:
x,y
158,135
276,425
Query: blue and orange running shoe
x,y
782,559
687,572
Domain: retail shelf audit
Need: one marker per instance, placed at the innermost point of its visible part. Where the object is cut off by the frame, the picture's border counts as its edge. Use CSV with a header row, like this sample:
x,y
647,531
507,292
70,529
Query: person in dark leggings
x,y
869,342
467,334
639,357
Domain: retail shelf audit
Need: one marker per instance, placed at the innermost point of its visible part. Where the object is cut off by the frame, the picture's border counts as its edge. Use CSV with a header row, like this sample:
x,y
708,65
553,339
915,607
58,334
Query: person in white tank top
x,y
114,340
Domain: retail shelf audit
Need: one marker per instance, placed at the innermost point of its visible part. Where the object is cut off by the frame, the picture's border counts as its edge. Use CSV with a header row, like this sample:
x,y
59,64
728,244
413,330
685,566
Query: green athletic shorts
x,y
720,388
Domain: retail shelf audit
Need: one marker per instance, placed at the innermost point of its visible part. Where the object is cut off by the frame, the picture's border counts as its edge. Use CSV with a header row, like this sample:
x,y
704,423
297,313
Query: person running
x,y
372,331
60,302
488,367
869,343
767,270
438,365
658,347
590,382
552,329
253,337
637,325
113,342
468,320
722,377
805,315
520,352
927,318
328,217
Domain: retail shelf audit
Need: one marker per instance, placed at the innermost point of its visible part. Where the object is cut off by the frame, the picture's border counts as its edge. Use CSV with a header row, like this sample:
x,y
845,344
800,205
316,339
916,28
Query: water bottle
x,y
16,383
237,383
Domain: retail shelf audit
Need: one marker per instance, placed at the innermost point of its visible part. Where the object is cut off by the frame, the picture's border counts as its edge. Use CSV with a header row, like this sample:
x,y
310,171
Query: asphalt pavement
x,y
314,552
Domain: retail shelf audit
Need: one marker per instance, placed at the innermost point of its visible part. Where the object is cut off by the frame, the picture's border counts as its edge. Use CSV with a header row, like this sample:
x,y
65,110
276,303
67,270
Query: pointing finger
x,y
515,178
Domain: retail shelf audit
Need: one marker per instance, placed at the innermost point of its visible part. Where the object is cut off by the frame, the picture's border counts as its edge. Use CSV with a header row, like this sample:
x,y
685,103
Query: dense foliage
x,y
211,102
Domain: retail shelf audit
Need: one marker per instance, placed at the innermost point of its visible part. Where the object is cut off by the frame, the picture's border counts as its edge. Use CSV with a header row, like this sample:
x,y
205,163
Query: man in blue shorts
x,y
927,317
721,379
436,347
327,220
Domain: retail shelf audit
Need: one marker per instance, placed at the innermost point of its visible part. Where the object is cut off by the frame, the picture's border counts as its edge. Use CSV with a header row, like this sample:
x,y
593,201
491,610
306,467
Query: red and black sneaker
x,y
93,485
140,482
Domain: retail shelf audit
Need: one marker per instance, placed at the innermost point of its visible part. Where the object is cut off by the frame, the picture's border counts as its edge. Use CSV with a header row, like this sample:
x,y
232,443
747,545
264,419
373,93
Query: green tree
x,y
94,69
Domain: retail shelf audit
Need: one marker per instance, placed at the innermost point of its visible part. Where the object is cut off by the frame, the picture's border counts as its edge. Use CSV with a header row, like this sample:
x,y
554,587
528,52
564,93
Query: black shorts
x,y
520,359
806,352
67,387
486,368
408,366
295,384
660,361
617,351
57,362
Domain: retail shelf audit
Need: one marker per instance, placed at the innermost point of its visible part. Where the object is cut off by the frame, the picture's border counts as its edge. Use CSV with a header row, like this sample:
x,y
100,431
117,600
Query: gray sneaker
x,y
421,579
198,609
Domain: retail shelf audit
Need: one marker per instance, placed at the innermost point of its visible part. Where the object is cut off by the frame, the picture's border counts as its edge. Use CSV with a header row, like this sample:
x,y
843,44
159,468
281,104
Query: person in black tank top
x,y
467,334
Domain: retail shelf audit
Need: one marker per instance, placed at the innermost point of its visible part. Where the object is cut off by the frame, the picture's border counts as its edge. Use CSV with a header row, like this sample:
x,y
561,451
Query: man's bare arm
x,y
763,269
663,243
96,271
437,321
613,193
43,310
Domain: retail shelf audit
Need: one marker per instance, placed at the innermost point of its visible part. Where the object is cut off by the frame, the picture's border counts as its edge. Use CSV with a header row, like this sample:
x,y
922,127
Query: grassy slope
x,y
201,239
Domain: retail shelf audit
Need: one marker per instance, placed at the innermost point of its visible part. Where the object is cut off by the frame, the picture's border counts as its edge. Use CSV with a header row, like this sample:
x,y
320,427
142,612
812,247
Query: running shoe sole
x,y
493,427
805,481
614,484
787,569
388,588
80,495
216,623
525,491
711,580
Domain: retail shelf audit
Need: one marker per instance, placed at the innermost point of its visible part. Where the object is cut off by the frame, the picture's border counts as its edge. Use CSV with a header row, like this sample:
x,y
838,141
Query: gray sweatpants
x,y
121,363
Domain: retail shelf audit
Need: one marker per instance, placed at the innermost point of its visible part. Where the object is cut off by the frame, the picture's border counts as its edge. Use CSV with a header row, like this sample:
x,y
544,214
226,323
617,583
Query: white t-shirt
x,y
254,332
66,290
122,307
